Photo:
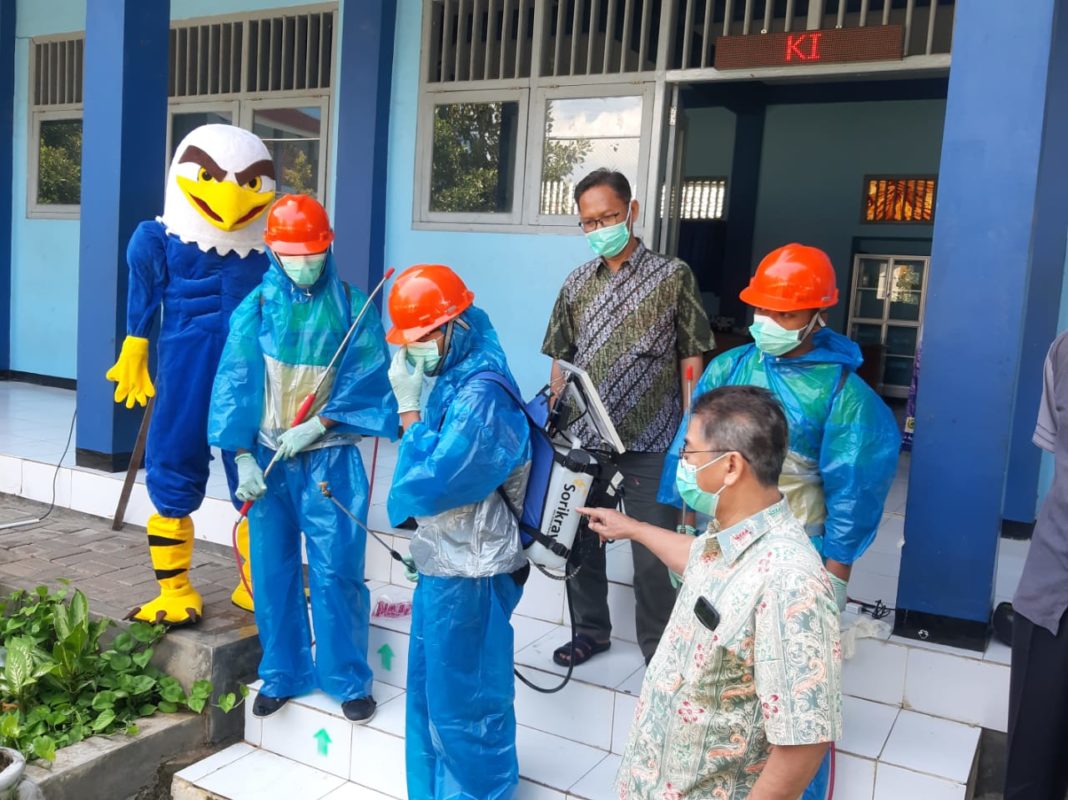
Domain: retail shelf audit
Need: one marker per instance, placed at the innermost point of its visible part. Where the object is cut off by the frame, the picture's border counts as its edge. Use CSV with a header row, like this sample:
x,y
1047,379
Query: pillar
x,y
993,252
123,164
362,99
7,112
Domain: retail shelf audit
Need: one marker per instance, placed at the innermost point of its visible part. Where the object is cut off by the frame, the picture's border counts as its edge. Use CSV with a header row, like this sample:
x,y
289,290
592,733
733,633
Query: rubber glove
x,y
839,587
250,484
407,386
131,373
296,439
410,572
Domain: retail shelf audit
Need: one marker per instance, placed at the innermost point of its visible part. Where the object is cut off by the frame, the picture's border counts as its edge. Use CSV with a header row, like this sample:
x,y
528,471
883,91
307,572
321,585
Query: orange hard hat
x,y
297,225
425,297
794,277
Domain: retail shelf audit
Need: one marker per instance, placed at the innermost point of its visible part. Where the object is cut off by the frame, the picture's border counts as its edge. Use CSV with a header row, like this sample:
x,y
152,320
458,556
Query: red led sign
x,y
801,48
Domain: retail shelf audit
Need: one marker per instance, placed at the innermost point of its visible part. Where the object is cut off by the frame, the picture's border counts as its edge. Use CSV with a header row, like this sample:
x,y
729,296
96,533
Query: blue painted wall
x,y
44,258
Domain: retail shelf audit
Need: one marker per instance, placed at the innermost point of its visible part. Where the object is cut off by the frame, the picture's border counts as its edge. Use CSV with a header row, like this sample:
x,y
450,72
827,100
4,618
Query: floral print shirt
x,y
714,701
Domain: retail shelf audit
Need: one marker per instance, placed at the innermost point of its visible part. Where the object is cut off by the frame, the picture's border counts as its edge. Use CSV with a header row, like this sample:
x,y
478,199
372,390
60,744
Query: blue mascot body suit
x,y
198,262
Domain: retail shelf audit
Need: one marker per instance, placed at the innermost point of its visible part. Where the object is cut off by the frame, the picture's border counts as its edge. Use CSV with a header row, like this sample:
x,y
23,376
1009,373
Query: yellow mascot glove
x,y
131,373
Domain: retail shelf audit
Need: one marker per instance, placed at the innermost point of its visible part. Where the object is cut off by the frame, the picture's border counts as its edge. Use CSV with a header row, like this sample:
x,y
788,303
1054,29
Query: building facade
x,y
914,140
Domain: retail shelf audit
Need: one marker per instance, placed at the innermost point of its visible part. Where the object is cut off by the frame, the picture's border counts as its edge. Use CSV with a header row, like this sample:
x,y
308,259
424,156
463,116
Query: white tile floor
x,y
919,755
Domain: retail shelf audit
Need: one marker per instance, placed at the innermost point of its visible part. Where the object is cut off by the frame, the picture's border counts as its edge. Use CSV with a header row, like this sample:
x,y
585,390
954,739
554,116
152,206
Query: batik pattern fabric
x,y
714,701
629,330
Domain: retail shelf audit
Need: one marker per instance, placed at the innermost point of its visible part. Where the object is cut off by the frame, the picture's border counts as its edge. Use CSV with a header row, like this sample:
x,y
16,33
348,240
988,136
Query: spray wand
x,y
324,487
676,581
306,406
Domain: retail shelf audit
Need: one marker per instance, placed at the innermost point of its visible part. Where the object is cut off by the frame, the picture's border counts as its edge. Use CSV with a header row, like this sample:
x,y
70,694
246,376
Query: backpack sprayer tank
x,y
569,485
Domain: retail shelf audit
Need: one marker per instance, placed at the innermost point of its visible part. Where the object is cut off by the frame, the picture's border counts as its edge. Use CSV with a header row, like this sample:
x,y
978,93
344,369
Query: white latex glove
x,y
839,587
407,386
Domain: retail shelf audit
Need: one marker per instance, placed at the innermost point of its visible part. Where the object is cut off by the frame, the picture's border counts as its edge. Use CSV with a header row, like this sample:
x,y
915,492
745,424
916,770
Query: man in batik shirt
x,y
743,695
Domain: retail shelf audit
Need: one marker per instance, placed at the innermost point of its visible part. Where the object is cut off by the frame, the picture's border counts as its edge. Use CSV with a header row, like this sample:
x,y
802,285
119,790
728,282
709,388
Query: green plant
x,y
61,683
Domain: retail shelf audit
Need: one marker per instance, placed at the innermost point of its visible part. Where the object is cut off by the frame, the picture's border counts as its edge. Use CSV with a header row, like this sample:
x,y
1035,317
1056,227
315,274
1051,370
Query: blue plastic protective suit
x,y
198,291
472,439
460,737
281,339
844,441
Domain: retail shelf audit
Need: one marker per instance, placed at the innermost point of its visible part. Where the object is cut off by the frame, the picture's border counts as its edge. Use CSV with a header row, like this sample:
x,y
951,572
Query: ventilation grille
x,y
601,37
485,40
292,52
57,71
205,60
476,40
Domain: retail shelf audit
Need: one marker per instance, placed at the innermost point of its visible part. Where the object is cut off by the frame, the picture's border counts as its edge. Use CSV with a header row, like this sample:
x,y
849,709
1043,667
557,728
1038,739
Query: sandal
x,y
582,646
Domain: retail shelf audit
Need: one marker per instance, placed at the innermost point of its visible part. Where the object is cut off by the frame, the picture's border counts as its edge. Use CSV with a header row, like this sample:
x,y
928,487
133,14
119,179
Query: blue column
x,y
123,164
362,101
1047,276
994,230
7,112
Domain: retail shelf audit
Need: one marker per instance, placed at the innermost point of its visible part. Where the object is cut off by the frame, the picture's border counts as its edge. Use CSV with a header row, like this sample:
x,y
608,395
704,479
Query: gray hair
x,y
747,420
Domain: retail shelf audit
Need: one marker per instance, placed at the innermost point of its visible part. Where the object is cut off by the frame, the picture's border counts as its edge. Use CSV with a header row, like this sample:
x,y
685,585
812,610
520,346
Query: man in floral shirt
x,y
743,694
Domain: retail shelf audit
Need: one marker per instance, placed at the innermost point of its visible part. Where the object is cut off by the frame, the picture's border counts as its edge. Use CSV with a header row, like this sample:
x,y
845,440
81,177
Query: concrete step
x,y
118,766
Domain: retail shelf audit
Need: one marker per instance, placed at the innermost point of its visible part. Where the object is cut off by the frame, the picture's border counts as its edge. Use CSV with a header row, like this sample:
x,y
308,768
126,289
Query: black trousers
x,y
1037,764
654,596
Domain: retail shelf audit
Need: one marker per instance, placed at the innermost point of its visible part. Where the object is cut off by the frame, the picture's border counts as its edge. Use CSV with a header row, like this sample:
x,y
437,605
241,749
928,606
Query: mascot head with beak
x,y
220,184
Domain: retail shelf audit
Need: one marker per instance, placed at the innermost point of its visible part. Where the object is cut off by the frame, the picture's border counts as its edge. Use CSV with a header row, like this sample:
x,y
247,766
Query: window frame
x,y
191,106
425,219
249,106
536,147
39,114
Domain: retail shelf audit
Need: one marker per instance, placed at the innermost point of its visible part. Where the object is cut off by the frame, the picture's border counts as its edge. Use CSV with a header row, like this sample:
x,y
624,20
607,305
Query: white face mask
x,y
303,270
427,352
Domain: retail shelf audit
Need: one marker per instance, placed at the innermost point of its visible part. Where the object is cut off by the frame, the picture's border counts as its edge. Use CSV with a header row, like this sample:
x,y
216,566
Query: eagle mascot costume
x,y
198,262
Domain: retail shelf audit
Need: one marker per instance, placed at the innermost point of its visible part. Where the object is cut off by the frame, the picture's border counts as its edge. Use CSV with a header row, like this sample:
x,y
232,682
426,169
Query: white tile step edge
x,y
548,764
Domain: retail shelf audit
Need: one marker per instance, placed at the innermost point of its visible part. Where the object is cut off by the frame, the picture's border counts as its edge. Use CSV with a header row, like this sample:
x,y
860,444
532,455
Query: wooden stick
x,y
135,464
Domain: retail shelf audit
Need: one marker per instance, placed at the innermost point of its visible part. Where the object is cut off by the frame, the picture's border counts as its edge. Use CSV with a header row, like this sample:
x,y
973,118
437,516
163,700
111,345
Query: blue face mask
x,y
692,494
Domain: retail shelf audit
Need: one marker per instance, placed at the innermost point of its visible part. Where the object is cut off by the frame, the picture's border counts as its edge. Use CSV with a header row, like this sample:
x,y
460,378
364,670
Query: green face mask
x,y
609,242
303,270
692,494
426,352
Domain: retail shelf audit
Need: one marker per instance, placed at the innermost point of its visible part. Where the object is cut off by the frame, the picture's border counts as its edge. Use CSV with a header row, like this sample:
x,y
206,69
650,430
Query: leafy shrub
x,y
61,683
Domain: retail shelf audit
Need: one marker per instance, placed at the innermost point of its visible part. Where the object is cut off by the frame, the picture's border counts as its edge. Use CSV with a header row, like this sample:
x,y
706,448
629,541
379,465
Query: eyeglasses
x,y
683,452
590,225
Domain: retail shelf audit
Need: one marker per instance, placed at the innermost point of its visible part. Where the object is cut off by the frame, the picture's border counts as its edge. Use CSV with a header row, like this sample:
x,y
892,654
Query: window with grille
x,y
54,177
515,68
892,199
702,198
270,74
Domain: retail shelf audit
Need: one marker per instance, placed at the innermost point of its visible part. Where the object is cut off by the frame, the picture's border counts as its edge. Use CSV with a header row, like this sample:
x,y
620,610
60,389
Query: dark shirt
x,y
629,330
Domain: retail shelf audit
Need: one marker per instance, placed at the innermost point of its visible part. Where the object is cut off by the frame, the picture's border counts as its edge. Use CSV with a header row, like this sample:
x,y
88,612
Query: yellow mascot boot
x,y
241,596
170,542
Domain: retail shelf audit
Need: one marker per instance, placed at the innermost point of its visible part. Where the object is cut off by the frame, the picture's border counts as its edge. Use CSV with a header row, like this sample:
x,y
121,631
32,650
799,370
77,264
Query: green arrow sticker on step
x,y
322,740
387,657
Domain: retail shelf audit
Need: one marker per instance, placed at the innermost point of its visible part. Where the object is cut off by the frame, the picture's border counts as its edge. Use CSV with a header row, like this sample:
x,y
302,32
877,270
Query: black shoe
x,y
265,705
359,710
1002,620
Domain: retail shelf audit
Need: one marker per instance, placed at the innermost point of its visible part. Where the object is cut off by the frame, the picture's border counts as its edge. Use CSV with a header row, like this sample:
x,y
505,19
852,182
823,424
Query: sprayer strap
x,y
547,542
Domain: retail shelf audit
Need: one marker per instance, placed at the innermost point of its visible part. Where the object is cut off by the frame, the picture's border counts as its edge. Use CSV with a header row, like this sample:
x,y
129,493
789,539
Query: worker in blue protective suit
x,y
282,339
198,261
844,441
469,443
